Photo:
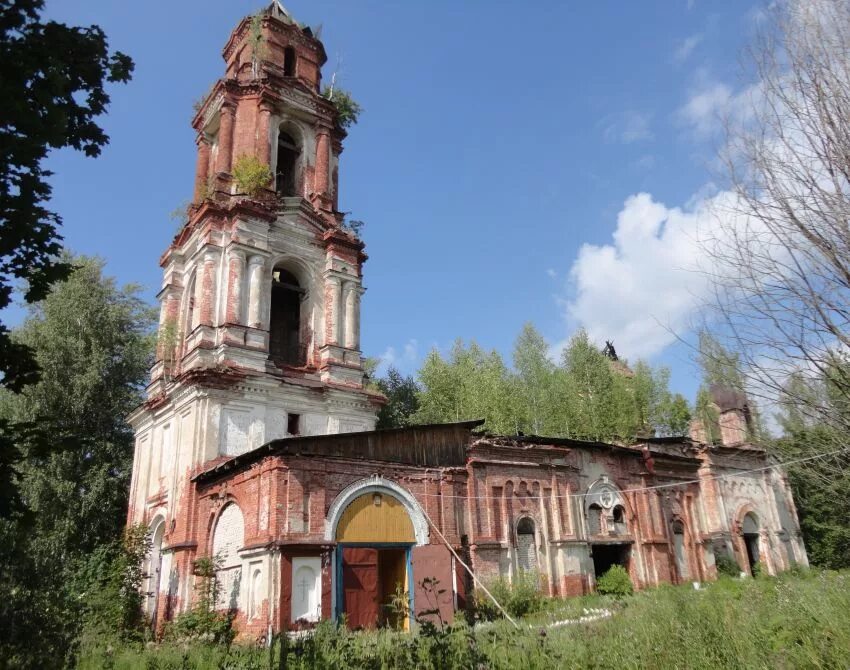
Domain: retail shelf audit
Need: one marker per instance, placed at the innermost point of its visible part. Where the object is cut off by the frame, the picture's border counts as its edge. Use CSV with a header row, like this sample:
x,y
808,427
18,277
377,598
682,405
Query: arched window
x,y
153,569
228,539
618,515
526,547
594,519
286,173
289,62
285,346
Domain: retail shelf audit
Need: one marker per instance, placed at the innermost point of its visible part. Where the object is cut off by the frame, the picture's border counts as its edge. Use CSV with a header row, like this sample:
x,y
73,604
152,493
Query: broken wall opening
x,y
607,555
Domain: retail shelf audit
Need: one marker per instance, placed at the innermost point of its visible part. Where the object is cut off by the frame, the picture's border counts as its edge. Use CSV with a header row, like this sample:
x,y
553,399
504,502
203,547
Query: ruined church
x,y
257,444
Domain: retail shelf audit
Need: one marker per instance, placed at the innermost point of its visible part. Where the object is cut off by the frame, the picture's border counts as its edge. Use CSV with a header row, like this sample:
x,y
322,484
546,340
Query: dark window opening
x,y
285,346
289,62
619,514
525,526
293,424
286,182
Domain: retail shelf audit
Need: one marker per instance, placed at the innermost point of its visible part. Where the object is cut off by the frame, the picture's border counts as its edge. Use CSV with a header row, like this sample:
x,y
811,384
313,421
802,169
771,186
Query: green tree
x,y
52,79
589,372
93,342
534,381
402,399
469,384
720,366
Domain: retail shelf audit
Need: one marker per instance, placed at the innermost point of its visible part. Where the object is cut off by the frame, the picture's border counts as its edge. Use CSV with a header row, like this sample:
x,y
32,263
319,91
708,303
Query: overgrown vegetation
x,y
251,175
347,109
794,621
519,597
615,582
203,621
726,565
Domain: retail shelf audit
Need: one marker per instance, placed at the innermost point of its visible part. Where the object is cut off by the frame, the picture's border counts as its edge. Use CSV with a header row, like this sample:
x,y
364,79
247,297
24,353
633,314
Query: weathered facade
x,y
257,441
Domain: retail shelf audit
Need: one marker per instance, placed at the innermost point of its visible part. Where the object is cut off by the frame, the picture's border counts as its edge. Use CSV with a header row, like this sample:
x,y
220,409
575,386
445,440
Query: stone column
x,y
225,139
336,315
323,160
263,139
352,315
208,285
256,267
202,168
235,272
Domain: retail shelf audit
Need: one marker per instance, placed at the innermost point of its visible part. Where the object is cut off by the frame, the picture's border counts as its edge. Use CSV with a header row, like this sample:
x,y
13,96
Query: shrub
x,y
347,109
726,566
251,175
615,582
203,622
520,597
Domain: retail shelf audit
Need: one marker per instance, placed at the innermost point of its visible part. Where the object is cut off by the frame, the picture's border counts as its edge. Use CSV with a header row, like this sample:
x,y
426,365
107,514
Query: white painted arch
x,y
377,484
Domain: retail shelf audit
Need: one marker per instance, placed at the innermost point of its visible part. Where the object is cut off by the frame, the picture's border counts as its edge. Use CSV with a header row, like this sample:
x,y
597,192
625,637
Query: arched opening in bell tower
x,y
289,62
285,342
286,171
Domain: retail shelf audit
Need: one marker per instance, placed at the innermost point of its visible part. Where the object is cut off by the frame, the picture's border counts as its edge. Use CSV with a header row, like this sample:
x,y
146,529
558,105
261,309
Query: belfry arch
x,y
287,317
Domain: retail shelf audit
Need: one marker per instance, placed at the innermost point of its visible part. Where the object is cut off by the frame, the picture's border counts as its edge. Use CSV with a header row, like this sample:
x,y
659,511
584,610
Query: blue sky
x,y
498,165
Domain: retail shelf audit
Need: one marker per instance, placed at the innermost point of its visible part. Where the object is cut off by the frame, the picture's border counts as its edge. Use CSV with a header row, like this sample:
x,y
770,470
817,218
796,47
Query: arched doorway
x,y
750,531
608,536
374,536
526,546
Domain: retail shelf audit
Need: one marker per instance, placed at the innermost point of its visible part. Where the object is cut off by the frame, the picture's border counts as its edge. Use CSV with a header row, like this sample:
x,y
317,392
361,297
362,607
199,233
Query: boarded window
x,y
526,545
594,520
228,539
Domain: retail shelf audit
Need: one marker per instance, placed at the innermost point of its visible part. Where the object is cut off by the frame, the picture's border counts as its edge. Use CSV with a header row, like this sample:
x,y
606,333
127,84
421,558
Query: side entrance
x,y
374,539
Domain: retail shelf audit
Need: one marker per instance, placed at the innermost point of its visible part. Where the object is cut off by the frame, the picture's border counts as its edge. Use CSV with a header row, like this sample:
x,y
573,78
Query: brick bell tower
x,y
260,301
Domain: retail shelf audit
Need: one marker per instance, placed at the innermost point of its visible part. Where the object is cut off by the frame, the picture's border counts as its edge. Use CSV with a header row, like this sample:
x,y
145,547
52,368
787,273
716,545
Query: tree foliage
x,y
52,83
402,399
93,343
585,395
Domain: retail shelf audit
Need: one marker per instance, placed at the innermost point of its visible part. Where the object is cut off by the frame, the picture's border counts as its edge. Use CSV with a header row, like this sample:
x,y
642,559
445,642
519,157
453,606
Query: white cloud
x,y
405,361
686,47
627,127
551,273
705,108
711,103
646,284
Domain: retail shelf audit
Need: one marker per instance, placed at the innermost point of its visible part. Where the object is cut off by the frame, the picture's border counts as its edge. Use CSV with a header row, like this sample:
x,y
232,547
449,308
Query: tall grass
x,y
788,622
